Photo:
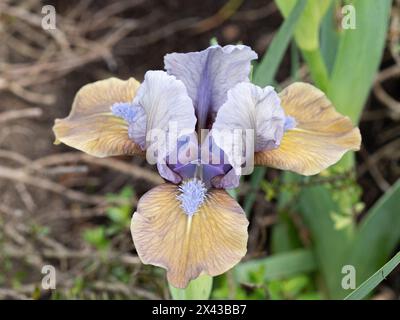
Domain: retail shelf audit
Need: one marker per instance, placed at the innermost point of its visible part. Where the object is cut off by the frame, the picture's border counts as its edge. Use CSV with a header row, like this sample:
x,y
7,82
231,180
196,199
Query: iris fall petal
x,y
210,241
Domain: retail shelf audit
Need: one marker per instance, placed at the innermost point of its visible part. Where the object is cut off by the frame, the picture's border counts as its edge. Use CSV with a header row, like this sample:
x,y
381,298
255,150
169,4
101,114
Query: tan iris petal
x,y
212,241
321,135
91,127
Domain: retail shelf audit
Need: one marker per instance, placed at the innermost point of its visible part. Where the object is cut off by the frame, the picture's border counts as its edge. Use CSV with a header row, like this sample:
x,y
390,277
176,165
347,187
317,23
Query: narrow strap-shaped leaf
x,y
329,37
358,57
371,283
266,70
278,266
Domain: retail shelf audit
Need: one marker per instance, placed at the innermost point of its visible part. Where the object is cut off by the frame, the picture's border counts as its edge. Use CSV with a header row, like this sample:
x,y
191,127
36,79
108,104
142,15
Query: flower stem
x,y
317,67
197,289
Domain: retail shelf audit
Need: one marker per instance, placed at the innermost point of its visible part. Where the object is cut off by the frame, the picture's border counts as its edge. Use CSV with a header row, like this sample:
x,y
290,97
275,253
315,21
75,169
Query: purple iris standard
x,y
204,125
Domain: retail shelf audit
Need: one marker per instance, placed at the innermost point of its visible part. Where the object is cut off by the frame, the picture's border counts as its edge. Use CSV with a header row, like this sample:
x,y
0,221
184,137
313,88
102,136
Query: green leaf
x,y
198,289
266,70
233,193
378,235
119,210
289,289
285,236
294,61
293,287
278,266
330,244
366,288
127,193
366,249
358,57
97,237
307,29
329,37
318,70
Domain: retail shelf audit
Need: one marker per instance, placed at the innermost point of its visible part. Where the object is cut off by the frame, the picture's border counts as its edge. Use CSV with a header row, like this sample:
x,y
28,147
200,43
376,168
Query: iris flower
x,y
190,225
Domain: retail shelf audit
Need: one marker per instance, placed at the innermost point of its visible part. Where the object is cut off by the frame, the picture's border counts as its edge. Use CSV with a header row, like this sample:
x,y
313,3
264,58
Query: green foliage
x,y
358,56
370,284
119,212
357,50
378,234
281,276
120,216
97,237
307,35
121,274
343,63
266,70
198,289
278,266
298,287
330,244
307,29
329,37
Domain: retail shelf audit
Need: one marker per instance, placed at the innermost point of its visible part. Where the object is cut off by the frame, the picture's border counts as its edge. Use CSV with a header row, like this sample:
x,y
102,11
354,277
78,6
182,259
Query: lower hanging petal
x,y
320,137
211,240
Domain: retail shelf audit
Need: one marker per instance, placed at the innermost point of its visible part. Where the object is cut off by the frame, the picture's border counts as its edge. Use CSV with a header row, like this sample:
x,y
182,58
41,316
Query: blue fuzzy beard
x,y
124,110
192,196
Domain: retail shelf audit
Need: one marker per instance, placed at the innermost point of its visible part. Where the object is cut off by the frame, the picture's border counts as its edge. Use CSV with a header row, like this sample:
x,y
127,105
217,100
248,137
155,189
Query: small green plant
x,y
97,237
119,213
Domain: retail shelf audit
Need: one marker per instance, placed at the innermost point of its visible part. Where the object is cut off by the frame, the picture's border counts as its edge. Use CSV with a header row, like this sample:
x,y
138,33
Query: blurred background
x,y
62,208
